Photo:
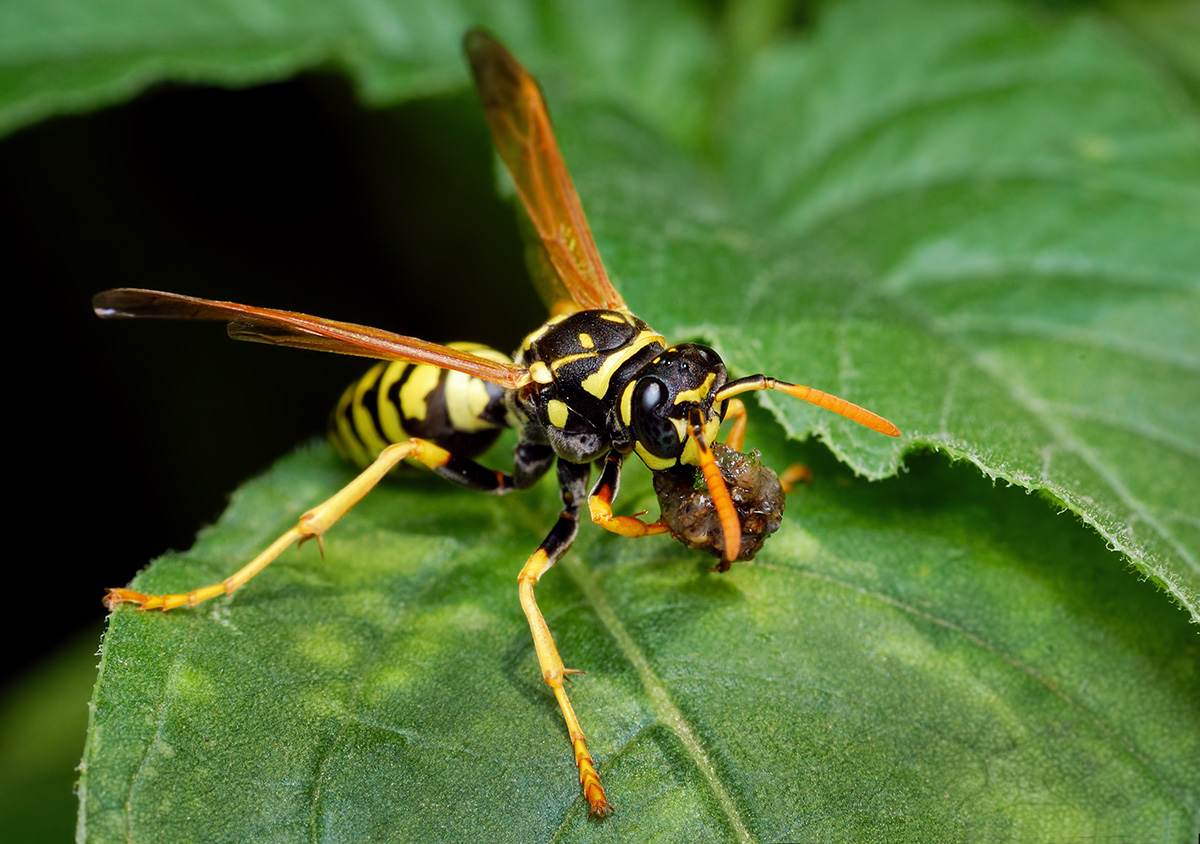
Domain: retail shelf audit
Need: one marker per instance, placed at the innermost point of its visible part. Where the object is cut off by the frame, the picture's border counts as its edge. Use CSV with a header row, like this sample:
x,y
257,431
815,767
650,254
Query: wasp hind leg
x,y
573,478
321,518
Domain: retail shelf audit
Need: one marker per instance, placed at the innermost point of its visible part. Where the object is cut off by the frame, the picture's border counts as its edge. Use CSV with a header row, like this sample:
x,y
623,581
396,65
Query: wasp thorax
x,y
667,390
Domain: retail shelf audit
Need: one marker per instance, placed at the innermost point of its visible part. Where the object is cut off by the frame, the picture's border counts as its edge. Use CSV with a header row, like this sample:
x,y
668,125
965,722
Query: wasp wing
x,y
567,266
301,331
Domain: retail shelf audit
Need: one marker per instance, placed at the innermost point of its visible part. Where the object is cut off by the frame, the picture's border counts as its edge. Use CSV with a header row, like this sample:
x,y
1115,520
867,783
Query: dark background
x,y
128,436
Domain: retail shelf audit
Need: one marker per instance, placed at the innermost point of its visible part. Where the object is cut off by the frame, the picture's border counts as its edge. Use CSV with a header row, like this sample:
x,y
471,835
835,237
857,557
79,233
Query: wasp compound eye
x,y
652,427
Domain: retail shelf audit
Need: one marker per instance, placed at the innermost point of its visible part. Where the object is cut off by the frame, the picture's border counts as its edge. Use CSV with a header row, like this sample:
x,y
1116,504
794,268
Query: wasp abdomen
x,y
394,402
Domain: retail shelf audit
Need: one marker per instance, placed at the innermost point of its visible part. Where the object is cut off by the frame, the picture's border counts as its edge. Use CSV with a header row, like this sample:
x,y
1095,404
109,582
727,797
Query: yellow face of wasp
x,y
659,405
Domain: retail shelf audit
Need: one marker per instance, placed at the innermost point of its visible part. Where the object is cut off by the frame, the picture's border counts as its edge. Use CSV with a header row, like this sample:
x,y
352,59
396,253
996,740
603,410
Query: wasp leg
x,y
797,473
321,518
530,462
572,478
736,411
602,497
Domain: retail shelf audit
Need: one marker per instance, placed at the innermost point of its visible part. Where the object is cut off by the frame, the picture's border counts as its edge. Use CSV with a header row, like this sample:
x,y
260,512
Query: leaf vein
x,y
665,709
1072,336
949,97
1029,670
807,216
1089,511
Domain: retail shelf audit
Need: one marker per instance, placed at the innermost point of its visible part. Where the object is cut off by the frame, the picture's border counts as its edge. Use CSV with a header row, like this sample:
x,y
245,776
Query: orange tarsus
x,y
589,779
118,596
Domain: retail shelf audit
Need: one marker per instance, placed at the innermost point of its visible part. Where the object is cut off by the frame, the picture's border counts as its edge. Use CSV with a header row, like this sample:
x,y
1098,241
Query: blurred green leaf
x,y
43,713
987,230
1169,30
69,56
981,222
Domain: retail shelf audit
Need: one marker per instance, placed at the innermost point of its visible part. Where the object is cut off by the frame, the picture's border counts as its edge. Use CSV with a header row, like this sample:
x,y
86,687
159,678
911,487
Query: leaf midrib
x,y
666,712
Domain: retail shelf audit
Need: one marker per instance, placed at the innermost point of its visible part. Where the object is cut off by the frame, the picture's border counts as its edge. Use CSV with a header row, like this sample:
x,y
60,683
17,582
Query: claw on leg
x,y
590,780
229,585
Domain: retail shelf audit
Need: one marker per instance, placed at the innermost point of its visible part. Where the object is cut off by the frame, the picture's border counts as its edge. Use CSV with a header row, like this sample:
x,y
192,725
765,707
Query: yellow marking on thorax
x,y
586,340
558,412
559,363
598,382
540,373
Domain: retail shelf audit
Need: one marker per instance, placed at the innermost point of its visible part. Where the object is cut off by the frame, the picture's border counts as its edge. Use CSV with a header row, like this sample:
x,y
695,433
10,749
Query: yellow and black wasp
x,y
592,385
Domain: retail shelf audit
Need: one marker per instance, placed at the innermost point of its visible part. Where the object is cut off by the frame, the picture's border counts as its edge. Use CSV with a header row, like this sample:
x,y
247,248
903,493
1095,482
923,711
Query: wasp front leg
x,y
735,413
572,478
602,497
321,518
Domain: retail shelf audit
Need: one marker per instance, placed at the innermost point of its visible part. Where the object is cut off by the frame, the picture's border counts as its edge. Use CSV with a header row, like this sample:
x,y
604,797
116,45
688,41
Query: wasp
x,y
590,386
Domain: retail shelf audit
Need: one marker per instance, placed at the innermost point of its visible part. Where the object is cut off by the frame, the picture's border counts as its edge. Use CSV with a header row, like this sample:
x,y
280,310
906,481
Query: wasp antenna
x,y
839,406
726,512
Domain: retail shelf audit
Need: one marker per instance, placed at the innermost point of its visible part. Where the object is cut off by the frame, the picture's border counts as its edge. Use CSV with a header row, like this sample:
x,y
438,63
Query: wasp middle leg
x,y
572,479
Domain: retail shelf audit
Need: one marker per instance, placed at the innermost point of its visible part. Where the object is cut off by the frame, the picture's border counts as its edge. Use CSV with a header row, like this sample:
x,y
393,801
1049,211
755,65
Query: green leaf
x,y
1169,30
977,220
42,720
928,659
69,56
951,226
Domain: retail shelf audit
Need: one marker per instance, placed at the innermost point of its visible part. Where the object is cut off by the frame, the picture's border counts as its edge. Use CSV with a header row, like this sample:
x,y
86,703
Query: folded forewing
x,y
301,331
574,278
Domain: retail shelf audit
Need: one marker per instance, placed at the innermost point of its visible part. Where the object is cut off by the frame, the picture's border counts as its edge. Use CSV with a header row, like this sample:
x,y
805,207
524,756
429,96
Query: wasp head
x,y
674,416
673,394
673,411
